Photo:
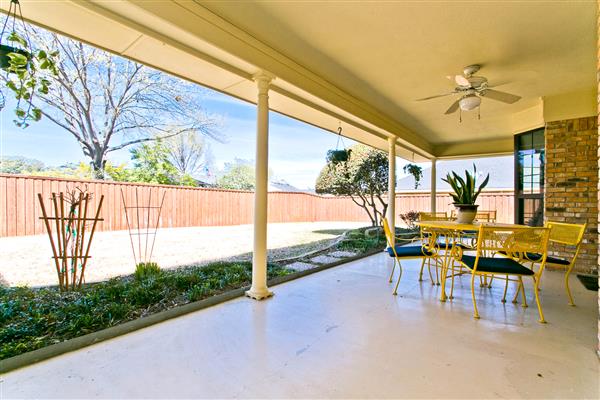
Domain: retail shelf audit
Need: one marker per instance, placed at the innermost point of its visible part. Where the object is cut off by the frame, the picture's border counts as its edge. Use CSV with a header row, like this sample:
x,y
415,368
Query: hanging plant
x,y
415,171
338,155
24,66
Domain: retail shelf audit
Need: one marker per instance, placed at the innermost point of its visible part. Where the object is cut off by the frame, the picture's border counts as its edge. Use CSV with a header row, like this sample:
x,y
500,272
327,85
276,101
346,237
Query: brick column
x,y
571,183
598,144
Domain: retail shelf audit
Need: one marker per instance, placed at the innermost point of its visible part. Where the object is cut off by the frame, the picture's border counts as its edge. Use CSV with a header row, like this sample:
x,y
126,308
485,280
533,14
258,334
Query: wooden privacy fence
x,y
186,206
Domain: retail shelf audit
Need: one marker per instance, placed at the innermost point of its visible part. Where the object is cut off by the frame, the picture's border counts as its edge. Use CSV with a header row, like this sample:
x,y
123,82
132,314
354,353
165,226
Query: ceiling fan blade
x,y
436,96
501,96
453,107
462,81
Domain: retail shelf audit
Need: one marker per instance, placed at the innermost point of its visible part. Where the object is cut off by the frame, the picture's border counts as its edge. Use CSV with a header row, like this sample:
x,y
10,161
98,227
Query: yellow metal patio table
x,y
452,233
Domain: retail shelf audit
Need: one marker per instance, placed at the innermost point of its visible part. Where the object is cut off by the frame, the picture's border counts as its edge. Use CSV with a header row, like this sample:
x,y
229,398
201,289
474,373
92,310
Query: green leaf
x,y
17,59
15,37
483,184
37,114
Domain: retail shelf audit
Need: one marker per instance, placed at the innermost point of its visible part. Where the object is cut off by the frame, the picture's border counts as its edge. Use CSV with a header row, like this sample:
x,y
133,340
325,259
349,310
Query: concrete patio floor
x,y
341,334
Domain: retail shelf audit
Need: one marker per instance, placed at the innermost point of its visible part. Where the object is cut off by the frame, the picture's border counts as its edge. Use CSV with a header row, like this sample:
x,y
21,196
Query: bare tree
x,y
186,152
107,102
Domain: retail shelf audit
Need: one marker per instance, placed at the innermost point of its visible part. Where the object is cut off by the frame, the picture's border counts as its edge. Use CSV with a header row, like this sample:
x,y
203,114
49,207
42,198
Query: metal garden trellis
x,y
137,227
70,247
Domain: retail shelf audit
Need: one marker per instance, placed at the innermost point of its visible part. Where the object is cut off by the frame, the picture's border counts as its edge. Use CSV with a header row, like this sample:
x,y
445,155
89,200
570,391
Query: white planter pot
x,y
465,213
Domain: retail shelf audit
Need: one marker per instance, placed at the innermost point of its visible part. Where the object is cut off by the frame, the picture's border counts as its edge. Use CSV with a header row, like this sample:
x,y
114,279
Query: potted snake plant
x,y
465,194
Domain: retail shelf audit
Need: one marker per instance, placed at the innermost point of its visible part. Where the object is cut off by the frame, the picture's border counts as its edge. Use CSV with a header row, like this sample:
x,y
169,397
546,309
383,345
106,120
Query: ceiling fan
x,y
472,89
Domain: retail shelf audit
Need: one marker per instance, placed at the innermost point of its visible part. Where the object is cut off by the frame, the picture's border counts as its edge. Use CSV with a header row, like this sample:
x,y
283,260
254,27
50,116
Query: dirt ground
x,y
26,260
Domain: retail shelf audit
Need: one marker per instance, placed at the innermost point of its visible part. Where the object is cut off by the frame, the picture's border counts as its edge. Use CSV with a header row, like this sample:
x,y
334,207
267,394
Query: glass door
x,y
529,177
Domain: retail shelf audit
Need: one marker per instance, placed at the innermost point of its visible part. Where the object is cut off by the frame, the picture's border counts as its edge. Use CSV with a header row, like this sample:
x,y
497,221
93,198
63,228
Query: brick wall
x,y
571,187
598,146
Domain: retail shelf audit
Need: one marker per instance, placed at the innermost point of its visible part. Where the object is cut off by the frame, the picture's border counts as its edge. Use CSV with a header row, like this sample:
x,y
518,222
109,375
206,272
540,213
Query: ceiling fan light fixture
x,y
469,102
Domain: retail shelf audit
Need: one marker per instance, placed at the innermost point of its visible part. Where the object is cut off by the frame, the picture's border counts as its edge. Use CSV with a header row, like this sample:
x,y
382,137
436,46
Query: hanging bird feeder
x,y
339,155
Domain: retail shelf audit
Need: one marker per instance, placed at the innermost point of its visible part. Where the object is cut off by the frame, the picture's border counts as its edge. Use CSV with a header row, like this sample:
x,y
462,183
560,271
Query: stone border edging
x,y
335,242
44,353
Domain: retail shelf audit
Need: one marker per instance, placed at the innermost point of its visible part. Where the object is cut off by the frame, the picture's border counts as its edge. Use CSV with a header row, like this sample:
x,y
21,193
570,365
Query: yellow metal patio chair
x,y
565,234
436,216
400,252
509,244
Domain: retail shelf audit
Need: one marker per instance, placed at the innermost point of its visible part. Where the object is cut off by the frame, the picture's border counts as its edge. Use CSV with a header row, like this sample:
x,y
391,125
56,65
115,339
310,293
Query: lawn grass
x,y
32,318
358,241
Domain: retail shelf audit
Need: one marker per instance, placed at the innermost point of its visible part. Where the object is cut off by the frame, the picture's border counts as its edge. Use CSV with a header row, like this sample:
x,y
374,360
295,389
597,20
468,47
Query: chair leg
x,y
475,312
490,282
437,276
399,276
393,268
505,290
524,305
514,300
429,270
536,283
452,284
571,303
421,271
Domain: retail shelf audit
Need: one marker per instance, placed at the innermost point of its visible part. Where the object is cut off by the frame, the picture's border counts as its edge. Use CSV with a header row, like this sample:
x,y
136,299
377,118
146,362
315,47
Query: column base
x,y
258,294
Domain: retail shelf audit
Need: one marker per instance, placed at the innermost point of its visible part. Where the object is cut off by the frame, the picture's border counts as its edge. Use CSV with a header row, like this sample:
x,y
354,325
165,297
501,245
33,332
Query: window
x,y
529,177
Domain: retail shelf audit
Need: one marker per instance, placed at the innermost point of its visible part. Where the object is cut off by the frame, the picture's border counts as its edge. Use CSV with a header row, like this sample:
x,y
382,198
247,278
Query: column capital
x,y
263,80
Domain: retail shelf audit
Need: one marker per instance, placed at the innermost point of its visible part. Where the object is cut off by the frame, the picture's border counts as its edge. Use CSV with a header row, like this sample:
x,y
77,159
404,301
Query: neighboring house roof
x,y
501,170
283,186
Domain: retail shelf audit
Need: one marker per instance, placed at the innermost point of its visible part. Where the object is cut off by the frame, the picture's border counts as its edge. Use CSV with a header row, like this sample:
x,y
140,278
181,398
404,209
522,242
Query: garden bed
x,y
33,318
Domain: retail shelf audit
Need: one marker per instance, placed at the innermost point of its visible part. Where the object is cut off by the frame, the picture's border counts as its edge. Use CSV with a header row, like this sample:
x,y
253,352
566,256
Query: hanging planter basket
x,y
28,70
5,59
337,155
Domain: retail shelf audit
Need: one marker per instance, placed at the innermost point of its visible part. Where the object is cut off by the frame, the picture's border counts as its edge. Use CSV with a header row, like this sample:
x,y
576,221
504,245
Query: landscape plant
x,y
363,177
32,318
415,171
67,221
238,175
29,70
465,190
410,218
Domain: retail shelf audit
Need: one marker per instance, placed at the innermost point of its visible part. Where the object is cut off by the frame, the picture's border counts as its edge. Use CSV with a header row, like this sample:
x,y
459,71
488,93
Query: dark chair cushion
x,y
499,265
464,246
538,257
549,259
409,251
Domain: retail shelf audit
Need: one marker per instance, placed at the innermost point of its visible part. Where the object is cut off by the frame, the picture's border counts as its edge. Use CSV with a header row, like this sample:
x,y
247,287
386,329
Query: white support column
x,y
391,210
433,185
259,288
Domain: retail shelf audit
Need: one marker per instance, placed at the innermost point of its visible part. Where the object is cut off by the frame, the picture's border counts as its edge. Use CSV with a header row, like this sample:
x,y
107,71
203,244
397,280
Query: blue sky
x,y
296,150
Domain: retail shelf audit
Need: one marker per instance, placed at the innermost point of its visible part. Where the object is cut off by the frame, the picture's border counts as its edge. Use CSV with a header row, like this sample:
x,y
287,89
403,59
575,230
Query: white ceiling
x,y
362,63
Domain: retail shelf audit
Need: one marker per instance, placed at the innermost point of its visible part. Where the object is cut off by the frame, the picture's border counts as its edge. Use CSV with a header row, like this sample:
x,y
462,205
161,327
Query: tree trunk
x,y
98,163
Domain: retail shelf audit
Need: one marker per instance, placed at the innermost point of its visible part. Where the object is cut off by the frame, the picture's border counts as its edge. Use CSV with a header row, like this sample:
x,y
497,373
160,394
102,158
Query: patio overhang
x,y
368,79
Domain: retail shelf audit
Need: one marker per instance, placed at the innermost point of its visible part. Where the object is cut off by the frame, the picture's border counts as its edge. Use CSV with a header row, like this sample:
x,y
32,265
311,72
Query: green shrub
x,y
35,318
146,270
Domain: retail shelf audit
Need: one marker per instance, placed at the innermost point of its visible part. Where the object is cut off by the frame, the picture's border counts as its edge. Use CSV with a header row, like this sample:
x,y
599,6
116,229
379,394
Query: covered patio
x,y
362,66
341,334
